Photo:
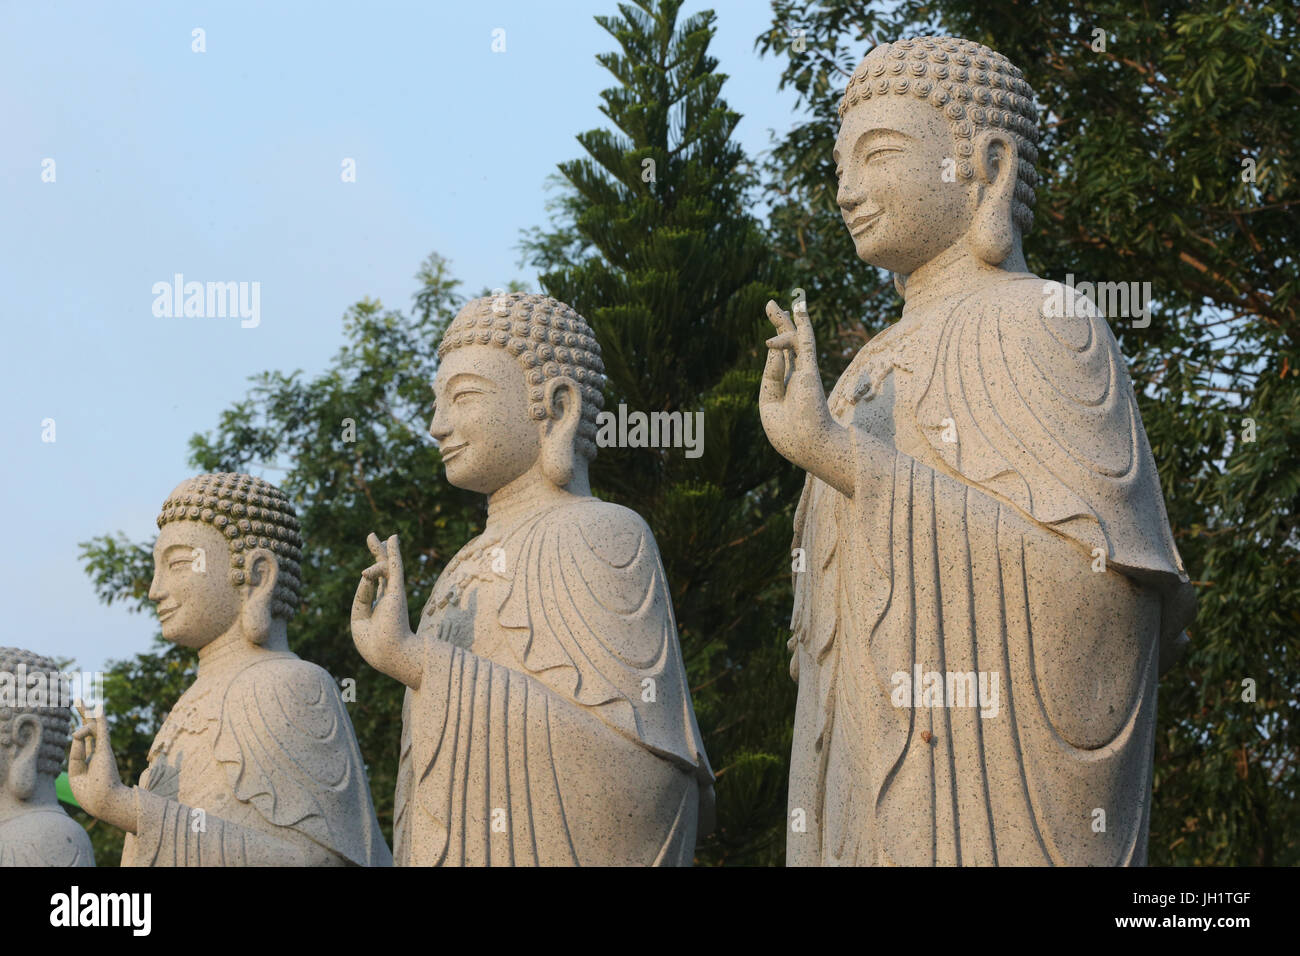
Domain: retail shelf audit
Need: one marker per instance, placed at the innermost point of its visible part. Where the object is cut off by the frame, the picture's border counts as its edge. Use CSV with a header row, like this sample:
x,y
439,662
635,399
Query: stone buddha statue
x,y
34,729
547,718
257,764
991,588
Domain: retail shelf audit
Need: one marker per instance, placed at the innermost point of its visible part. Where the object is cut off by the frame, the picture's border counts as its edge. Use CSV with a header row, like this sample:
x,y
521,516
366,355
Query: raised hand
x,y
792,402
381,626
92,773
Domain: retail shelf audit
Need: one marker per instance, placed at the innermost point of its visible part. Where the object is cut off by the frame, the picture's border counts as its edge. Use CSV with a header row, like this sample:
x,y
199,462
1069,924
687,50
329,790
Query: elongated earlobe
x,y
256,622
255,615
22,771
560,431
556,465
991,234
22,779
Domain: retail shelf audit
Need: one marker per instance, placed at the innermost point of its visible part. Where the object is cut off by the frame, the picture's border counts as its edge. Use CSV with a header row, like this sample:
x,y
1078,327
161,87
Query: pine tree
x,y
654,246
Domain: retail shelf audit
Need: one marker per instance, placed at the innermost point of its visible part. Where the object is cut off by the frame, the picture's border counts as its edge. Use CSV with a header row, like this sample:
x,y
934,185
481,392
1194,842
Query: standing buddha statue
x,y
547,718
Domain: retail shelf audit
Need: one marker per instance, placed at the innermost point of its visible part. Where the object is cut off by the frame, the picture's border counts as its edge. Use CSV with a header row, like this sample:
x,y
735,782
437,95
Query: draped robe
x,y
44,836
1007,522
553,724
256,765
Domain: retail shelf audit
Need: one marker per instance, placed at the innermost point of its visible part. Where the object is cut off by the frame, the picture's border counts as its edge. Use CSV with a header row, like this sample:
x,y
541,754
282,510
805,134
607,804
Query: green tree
x,y
652,243
350,446
1168,156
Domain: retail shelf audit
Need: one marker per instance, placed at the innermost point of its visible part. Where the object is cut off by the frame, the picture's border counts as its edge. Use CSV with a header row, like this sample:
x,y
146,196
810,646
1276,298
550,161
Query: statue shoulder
x,y
612,532
290,700
1059,310
294,703
1041,332
312,779
1031,382
67,840
588,599
47,837
1027,293
590,615
280,672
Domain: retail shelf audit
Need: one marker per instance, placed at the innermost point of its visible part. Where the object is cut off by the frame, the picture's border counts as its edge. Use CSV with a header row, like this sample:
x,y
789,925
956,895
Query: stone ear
x,y
259,594
996,163
28,733
560,431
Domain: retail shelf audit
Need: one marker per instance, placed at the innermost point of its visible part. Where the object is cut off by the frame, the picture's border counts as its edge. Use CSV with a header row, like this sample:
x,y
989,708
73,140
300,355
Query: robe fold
x,y
256,765
1007,535
44,836
553,724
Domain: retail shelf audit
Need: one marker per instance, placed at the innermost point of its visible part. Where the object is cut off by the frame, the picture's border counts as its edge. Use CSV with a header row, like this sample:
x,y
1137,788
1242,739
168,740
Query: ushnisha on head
x,y
986,111
229,549
520,382
33,739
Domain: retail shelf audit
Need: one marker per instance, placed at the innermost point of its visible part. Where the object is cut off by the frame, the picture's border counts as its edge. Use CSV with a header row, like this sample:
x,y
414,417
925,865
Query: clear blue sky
x,y
225,166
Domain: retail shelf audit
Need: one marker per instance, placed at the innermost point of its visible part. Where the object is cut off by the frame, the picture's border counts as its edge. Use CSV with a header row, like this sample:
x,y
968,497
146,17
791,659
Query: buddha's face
x,y
889,158
482,423
191,583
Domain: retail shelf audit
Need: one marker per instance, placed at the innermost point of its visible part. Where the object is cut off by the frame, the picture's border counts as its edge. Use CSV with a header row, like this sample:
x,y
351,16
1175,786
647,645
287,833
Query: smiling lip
x,y
863,223
453,451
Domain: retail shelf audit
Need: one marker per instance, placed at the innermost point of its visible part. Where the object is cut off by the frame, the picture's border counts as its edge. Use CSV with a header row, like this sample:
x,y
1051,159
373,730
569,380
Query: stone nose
x,y
845,195
439,428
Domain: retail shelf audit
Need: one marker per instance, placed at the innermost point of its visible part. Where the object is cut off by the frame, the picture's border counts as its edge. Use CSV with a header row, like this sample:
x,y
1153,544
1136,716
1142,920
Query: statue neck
x,y
533,491
955,269
234,645
45,798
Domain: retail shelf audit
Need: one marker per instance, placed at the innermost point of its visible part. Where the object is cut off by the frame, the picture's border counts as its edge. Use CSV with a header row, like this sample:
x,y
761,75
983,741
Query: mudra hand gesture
x,y
381,625
93,773
792,403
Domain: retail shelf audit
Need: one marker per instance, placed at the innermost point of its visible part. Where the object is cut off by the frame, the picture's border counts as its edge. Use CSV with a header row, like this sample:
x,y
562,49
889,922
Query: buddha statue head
x,y
34,735
520,382
226,561
937,145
